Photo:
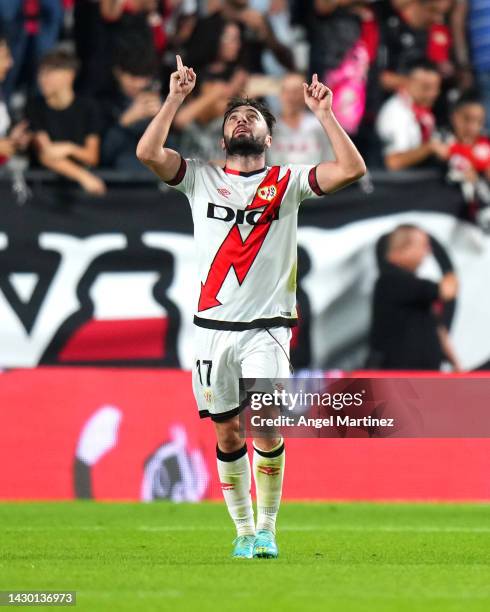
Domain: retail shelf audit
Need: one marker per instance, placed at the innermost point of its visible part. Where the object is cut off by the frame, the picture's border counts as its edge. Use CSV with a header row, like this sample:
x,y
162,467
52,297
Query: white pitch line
x,y
299,528
394,529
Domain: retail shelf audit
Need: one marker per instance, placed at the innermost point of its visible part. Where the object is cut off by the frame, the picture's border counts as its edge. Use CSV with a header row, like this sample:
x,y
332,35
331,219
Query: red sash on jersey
x,y
478,153
426,121
240,254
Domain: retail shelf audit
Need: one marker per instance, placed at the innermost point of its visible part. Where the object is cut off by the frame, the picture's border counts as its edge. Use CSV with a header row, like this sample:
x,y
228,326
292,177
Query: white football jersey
x,y
245,234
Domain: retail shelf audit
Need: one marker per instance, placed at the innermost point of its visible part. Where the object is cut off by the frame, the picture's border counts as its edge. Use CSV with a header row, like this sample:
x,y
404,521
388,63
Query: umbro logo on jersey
x,y
226,193
267,193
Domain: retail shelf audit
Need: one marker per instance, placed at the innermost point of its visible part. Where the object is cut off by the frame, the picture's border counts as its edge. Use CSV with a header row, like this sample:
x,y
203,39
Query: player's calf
x,y
268,468
236,480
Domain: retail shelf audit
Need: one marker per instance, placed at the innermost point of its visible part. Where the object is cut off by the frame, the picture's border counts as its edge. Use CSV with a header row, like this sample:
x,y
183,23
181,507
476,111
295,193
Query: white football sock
x,y
268,469
236,480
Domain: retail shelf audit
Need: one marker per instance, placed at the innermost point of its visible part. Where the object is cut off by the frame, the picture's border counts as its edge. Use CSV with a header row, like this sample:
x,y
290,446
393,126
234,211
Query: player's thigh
x,y
215,374
267,357
266,354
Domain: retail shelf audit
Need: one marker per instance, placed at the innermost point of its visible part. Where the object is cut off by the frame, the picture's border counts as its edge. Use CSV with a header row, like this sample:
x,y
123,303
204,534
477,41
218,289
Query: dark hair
x,y
259,106
135,56
420,64
471,96
204,44
59,59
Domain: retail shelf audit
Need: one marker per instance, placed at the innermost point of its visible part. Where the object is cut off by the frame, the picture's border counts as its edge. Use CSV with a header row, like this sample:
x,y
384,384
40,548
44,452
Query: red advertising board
x,y
133,434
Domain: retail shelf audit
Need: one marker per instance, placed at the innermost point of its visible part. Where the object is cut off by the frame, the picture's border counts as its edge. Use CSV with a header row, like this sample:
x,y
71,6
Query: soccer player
x,y
245,223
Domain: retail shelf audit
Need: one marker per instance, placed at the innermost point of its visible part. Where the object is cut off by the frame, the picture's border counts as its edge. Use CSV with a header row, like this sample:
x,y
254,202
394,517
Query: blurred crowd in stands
x,y
81,79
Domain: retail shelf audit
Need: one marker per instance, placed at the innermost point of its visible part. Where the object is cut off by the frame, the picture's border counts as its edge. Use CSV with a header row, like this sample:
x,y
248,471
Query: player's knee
x,y
266,444
228,435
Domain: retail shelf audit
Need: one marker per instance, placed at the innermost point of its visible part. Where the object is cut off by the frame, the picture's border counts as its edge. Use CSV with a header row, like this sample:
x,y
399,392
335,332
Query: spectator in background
x,y
278,15
405,331
181,22
469,157
33,28
298,137
226,56
66,127
92,47
405,124
344,43
101,27
200,118
412,31
127,110
11,141
257,36
471,21
143,17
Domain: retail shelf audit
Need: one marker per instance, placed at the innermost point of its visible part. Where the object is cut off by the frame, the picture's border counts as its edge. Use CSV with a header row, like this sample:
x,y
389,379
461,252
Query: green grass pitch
x,y
161,556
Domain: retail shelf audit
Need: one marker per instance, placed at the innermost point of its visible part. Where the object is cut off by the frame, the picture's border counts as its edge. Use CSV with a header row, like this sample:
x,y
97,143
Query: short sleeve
x,y
305,182
185,179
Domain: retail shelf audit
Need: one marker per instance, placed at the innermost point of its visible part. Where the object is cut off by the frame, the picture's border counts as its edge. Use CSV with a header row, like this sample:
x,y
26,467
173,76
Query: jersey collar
x,y
239,173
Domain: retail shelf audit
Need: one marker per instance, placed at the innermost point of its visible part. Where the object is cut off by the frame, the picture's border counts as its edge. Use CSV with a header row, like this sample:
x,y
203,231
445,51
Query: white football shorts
x,y
223,357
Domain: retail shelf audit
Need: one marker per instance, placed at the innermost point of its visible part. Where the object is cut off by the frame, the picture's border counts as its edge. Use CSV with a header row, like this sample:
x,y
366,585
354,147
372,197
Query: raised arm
x,y
348,165
151,151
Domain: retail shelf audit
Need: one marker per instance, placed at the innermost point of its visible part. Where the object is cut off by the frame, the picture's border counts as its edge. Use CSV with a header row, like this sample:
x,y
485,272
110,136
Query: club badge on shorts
x,y
208,396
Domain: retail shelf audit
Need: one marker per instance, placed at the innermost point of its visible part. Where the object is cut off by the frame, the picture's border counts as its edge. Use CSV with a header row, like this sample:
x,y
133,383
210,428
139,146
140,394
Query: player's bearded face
x,y
245,144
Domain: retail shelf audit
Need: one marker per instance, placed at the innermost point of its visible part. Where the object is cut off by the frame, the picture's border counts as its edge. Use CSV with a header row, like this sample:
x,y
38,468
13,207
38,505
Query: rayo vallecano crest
x,y
267,193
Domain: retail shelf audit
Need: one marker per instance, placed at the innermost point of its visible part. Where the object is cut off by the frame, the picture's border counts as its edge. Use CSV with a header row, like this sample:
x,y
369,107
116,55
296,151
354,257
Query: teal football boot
x,y
243,547
265,546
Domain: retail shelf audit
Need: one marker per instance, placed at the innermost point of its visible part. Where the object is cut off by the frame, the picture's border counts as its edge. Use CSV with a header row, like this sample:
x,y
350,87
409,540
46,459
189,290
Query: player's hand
x,y
448,287
150,102
439,149
183,80
470,175
256,22
457,367
93,184
7,147
318,97
21,136
146,104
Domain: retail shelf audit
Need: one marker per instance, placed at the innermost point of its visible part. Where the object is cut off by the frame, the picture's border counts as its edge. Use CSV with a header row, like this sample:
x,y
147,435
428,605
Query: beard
x,y
245,146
